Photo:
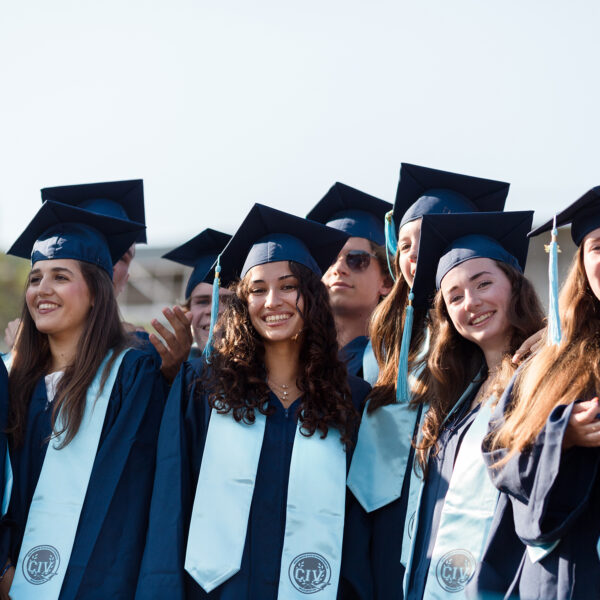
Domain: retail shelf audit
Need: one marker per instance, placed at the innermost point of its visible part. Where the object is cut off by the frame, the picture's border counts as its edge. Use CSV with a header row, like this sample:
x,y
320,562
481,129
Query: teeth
x,y
45,305
480,318
273,318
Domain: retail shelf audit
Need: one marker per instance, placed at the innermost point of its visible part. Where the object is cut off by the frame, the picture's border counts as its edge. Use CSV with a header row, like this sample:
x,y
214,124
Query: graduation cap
x,y
352,211
269,235
119,199
451,239
446,241
200,252
423,191
584,216
62,231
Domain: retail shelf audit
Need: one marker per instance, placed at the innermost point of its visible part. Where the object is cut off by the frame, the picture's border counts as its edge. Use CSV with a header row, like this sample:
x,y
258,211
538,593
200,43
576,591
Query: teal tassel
x,y
554,329
214,310
391,240
402,387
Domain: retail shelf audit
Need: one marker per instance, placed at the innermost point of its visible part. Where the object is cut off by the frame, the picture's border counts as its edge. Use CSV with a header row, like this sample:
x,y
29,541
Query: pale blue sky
x,y
218,105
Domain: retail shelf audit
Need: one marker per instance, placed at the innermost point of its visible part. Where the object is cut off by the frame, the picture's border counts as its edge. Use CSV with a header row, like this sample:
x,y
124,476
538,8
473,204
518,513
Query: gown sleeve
x,y
162,573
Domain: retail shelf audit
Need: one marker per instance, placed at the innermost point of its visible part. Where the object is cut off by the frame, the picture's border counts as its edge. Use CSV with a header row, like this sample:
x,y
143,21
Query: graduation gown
x,y
547,496
181,444
3,417
440,468
109,542
352,354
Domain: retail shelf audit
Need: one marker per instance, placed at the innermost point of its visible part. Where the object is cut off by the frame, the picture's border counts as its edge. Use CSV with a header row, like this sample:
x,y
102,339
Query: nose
x,y
472,301
44,286
272,299
339,266
414,251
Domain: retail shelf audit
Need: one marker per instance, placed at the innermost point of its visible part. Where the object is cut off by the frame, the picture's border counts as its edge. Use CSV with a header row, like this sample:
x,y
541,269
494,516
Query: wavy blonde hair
x,y
557,374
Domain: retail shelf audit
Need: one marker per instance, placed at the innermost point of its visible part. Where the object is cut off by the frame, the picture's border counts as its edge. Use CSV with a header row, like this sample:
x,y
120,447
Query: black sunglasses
x,y
358,260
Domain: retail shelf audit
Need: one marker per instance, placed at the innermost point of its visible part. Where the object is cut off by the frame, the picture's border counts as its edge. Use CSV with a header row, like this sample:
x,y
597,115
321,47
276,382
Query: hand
x,y
11,332
584,427
5,583
178,342
530,346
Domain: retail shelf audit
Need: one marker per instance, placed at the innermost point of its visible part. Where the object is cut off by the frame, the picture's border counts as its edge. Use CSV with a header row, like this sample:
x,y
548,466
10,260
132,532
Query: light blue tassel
x,y
402,387
391,240
554,330
214,310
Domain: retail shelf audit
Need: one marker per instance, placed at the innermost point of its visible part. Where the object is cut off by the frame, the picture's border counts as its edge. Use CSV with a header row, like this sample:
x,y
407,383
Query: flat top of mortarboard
x,y
120,199
270,235
458,237
583,214
350,210
444,192
71,232
200,253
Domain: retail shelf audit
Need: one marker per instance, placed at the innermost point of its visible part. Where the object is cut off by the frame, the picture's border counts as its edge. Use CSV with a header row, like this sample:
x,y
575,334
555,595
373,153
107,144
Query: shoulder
x,y
359,389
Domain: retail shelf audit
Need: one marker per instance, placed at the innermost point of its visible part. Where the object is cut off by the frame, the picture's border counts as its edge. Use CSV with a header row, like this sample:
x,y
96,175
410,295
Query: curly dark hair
x,y
236,380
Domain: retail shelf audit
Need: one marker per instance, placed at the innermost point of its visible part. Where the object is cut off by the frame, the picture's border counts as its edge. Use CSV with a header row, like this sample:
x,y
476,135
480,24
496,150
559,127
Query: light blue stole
x,y
370,366
384,441
314,525
417,485
466,517
8,474
58,499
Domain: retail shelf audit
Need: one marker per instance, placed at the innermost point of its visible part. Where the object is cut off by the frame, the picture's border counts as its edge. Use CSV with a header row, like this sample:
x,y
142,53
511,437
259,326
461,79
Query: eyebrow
x,y
254,281
472,278
54,270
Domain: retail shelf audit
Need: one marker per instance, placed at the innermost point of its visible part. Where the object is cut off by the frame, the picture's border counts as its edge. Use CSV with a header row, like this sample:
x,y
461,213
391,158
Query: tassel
x,y
214,310
403,391
391,240
554,330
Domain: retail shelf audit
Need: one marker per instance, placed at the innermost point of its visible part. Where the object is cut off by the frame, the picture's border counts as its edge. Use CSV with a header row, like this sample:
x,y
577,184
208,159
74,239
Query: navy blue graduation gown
x,y
440,467
180,449
109,542
387,527
547,495
352,354
3,417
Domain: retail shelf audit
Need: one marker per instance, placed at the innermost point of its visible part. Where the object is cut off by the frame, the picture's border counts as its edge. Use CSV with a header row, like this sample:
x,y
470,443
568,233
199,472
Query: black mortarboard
x,y
119,199
63,231
352,211
200,253
270,235
448,240
422,191
583,214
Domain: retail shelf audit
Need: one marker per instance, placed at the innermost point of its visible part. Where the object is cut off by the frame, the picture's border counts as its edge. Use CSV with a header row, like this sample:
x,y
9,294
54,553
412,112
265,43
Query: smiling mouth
x,y
46,306
482,318
277,318
339,284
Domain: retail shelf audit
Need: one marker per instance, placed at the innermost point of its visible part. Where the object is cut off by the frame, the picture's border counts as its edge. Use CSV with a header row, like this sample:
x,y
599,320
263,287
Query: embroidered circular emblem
x,y
411,525
310,573
454,570
41,564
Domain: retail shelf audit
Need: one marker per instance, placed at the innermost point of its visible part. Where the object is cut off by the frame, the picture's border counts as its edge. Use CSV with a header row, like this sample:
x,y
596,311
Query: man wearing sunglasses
x,y
358,278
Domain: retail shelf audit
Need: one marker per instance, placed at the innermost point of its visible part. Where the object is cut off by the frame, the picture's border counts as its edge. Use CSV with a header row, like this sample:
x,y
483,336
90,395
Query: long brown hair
x,y
385,332
454,361
236,379
557,374
31,360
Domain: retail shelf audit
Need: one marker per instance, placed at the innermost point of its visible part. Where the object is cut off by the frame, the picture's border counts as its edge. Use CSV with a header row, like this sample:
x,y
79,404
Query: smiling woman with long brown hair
x,y
83,418
544,450
250,494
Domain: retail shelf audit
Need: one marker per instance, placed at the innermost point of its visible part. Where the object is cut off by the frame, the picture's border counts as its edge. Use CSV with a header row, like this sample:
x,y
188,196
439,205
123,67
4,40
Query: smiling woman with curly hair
x,y
250,494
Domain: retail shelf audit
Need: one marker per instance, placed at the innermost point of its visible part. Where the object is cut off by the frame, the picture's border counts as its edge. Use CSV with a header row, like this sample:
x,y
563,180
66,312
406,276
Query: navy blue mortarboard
x,y
583,214
423,191
451,239
62,231
270,235
118,199
352,211
200,253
